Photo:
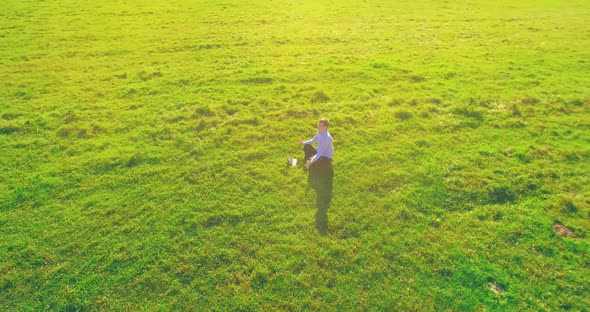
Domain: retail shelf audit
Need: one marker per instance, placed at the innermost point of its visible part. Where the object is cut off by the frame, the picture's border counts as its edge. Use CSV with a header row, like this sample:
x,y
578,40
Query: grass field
x,y
143,143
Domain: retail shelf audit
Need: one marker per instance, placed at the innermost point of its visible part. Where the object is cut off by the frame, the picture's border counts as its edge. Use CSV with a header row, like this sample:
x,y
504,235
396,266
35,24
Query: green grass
x,y
143,148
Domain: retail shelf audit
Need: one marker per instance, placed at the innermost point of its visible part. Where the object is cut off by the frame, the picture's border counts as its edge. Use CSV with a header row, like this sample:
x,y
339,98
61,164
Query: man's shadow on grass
x,y
320,179
320,176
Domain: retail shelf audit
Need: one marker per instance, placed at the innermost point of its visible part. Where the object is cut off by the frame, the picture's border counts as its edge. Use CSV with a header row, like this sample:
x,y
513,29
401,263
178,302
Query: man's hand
x,y
308,162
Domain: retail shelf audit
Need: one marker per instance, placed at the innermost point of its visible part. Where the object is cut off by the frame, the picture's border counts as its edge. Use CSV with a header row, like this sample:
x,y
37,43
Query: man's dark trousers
x,y
321,176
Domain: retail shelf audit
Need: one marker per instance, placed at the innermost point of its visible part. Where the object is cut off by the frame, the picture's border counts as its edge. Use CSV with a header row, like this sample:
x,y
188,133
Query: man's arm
x,y
313,140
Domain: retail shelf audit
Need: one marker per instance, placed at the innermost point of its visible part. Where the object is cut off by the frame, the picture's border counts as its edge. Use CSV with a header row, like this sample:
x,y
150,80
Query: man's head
x,y
323,124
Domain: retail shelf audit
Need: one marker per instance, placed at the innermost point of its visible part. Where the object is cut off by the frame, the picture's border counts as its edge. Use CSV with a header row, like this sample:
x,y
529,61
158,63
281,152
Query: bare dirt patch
x,y
563,231
496,288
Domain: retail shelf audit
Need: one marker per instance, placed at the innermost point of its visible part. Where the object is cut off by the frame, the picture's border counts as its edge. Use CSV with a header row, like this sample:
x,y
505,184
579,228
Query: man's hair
x,y
325,122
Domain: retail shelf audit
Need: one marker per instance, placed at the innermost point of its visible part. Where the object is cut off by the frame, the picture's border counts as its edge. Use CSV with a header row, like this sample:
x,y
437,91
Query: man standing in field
x,y
321,172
